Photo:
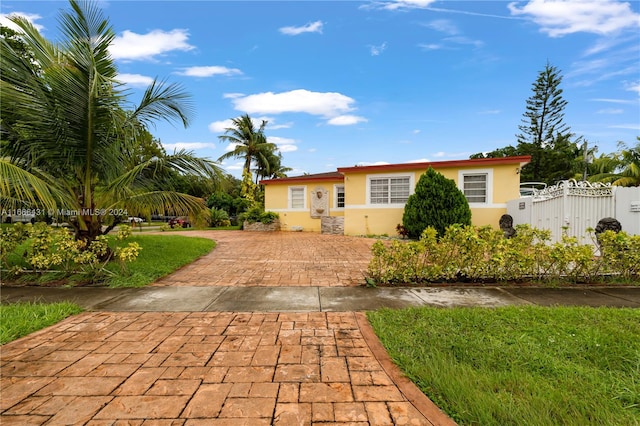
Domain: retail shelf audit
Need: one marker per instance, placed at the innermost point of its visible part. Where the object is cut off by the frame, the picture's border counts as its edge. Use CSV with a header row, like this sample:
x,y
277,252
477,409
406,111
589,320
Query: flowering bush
x,y
56,249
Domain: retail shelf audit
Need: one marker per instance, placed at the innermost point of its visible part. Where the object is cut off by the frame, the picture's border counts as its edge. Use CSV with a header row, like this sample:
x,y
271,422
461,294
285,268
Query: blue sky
x,y
344,83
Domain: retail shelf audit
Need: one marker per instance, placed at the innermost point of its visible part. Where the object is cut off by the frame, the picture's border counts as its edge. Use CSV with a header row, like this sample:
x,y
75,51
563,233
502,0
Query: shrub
x,y
257,214
472,254
437,202
219,217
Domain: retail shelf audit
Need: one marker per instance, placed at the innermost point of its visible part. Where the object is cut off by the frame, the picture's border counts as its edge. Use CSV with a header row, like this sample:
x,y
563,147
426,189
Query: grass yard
x,y
520,365
20,319
160,256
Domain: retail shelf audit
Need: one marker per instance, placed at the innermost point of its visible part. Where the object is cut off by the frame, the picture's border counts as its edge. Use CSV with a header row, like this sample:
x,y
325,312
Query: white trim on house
x,y
488,203
369,204
290,190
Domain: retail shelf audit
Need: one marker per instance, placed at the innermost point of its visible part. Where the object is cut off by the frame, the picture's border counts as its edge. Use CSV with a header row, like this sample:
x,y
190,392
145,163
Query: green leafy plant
x,y
257,214
482,254
436,202
219,217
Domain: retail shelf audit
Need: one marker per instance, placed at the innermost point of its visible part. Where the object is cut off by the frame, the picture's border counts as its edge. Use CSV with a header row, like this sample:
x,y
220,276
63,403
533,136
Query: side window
x,y
339,197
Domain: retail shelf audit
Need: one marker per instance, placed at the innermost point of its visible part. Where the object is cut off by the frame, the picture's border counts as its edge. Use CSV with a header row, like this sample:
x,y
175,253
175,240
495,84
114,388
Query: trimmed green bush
x,y
482,254
437,202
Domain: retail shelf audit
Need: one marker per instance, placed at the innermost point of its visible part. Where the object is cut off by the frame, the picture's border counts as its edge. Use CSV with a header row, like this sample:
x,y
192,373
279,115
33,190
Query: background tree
x,y
544,135
72,144
436,202
620,168
249,143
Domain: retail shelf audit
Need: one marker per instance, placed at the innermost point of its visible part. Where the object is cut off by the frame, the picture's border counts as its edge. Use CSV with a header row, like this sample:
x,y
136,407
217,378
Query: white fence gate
x,y
576,206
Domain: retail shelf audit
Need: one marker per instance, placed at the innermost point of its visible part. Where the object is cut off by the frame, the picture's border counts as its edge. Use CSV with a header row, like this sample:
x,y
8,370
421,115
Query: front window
x,y
391,190
296,198
475,187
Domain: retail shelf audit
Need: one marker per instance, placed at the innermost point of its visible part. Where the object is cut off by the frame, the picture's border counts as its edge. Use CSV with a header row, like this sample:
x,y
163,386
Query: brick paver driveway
x,y
219,368
276,259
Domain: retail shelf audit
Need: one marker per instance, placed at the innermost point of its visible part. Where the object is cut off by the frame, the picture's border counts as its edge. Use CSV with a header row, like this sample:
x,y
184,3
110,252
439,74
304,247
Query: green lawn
x,y
20,319
160,256
520,365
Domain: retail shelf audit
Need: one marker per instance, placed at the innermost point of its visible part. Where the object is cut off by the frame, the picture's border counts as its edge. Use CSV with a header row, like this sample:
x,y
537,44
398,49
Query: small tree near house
x,y
436,202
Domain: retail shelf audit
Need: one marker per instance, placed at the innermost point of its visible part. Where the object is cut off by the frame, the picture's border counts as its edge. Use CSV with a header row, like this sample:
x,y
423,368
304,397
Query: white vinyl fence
x,y
576,206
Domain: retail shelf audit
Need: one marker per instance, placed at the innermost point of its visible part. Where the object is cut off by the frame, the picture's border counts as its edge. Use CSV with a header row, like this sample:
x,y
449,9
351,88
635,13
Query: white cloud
x,y
327,104
31,17
209,71
431,46
633,87
416,131
220,126
365,163
561,17
419,160
232,95
443,26
406,4
610,111
464,40
614,101
312,27
346,120
189,146
283,144
132,46
230,147
233,167
377,50
490,112
634,126
135,80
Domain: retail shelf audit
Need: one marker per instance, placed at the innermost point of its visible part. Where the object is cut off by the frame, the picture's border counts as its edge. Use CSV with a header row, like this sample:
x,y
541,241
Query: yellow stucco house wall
x,y
371,199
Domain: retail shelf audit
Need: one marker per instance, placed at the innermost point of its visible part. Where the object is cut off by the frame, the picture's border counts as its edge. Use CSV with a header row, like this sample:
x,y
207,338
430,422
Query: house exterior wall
x,y
364,217
277,199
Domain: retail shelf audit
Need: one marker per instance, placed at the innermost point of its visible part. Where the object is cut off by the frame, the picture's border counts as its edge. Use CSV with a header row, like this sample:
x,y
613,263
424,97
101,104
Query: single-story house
x,y
370,200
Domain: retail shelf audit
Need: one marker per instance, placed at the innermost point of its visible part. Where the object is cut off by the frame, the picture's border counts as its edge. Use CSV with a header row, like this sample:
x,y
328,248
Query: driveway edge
x,y
413,394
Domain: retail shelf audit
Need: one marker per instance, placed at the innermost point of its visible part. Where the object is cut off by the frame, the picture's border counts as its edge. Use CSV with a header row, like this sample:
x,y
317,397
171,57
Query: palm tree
x,y
68,141
273,168
621,168
248,143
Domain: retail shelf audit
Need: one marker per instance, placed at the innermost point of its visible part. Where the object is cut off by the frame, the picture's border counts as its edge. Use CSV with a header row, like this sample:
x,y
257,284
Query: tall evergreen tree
x,y
543,131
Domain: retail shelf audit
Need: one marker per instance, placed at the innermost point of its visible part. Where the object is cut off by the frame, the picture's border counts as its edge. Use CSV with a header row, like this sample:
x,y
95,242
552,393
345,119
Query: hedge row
x,y
482,254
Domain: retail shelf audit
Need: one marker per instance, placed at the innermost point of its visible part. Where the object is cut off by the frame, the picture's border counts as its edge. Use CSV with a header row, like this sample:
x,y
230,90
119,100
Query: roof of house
x,y
339,175
317,177
521,160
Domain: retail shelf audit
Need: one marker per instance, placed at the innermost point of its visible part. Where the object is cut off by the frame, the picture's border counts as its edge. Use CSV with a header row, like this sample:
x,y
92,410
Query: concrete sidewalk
x,y
317,299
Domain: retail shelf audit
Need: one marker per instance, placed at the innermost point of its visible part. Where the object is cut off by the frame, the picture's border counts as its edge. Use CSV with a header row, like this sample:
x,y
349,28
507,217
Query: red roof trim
x,y
522,159
310,178
339,175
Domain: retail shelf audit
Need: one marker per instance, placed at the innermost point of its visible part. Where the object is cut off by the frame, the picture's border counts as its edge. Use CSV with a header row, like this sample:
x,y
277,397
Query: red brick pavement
x,y
207,368
276,259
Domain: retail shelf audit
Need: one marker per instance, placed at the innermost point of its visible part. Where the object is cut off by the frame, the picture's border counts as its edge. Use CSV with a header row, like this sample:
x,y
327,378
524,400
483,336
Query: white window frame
x,y
290,197
411,178
489,182
335,197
